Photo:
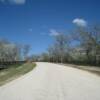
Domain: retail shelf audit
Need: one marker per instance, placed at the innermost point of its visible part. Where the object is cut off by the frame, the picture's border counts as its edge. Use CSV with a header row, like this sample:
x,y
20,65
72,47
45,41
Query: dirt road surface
x,y
53,82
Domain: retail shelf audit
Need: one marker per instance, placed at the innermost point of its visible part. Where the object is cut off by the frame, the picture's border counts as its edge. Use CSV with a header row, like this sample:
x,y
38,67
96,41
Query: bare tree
x,y
59,50
26,49
88,39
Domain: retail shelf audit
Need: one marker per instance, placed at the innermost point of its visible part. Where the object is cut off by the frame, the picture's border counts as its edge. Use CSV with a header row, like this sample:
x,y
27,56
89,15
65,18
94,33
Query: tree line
x,y
11,53
80,46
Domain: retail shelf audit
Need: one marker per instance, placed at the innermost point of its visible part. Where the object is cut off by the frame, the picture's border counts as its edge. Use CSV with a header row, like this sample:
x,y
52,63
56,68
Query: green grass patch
x,y
15,71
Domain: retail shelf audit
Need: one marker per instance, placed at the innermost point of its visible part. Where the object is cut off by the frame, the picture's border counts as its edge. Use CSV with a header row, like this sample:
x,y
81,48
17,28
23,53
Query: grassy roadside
x,y
14,72
91,69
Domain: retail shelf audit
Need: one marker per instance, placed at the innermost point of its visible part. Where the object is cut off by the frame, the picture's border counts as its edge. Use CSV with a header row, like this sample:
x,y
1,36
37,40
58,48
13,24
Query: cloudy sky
x,y
35,22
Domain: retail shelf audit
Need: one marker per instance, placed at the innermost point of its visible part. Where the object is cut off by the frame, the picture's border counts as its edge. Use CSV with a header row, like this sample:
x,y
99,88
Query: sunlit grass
x,y
14,72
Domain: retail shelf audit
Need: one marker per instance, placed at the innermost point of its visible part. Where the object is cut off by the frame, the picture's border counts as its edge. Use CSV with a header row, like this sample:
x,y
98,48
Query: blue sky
x,y
35,22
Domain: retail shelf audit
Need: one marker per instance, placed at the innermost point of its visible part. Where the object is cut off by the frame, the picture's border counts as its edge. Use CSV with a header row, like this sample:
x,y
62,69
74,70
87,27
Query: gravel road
x,y
53,82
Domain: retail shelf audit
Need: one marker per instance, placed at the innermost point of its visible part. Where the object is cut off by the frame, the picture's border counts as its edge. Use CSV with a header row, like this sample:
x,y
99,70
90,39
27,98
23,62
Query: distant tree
x,y
34,58
58,52
88,40
26,49
9,51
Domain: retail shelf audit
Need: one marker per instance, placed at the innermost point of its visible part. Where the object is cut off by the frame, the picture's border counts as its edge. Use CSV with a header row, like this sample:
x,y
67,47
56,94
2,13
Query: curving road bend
x,y
53,82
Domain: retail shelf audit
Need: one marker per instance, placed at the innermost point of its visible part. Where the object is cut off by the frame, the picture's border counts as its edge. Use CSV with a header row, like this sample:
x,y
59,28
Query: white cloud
x,y
80,22
53,32
18,2
2,0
